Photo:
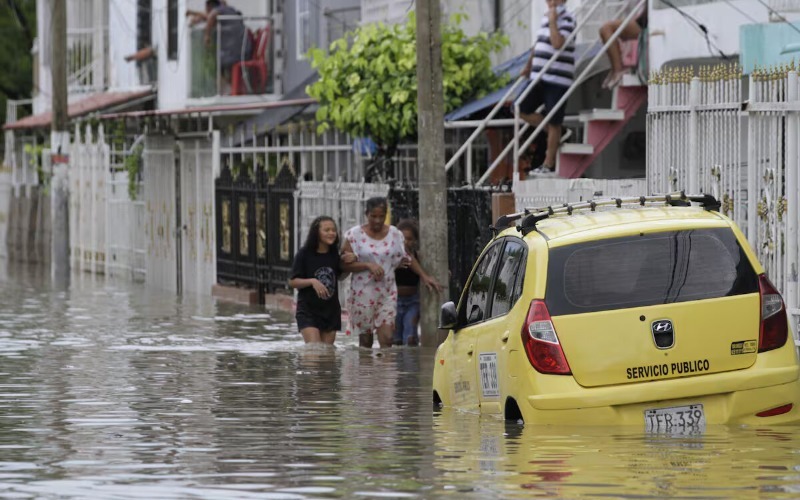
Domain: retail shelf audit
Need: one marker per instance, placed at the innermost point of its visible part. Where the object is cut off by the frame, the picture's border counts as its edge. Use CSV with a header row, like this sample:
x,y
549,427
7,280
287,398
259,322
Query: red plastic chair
x,y
255,79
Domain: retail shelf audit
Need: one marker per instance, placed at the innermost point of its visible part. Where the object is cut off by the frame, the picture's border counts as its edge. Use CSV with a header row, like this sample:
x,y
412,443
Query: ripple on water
x,y
111,390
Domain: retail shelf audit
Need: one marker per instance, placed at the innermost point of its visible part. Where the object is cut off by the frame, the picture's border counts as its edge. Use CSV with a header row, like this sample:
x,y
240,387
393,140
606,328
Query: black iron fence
x,y
255,221
469,213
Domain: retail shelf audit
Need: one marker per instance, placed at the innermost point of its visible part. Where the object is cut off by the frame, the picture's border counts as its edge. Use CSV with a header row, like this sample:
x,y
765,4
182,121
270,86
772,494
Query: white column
x,y
792,164
693,184
752,171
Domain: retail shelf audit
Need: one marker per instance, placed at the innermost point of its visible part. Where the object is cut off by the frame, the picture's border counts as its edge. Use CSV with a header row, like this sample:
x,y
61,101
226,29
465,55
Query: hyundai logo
x,y
663,333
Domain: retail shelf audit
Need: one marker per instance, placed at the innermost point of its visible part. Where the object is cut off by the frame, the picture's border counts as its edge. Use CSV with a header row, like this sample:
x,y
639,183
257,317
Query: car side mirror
x,y
448,316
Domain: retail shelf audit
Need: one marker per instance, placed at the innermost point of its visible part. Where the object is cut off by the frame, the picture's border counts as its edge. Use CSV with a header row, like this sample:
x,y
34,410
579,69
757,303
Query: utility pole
x,y
432,175
59,147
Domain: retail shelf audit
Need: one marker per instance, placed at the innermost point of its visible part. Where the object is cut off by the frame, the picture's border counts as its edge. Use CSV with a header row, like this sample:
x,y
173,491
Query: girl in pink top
x,y
379,250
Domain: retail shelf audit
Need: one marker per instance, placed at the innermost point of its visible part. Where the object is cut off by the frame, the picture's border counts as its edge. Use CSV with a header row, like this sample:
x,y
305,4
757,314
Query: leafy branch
x,y
133,165
368,86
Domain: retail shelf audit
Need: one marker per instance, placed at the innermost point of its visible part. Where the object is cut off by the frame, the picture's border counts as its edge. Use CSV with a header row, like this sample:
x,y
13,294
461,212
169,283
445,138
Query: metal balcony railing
x,y
238,59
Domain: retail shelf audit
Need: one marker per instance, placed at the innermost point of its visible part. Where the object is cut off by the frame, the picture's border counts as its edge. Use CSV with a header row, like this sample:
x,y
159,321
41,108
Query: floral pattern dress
x,y
374,303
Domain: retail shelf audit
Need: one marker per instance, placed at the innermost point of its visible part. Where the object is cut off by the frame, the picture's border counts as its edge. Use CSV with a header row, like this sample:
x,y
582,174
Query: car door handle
x,y
504,338
470,349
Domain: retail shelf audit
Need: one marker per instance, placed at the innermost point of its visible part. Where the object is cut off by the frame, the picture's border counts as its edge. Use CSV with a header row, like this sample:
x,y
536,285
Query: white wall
x,y
514,21
515,18
121,42
673,37
172,75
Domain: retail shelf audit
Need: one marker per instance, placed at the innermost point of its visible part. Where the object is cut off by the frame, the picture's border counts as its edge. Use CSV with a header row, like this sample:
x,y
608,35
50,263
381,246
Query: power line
x,y
779,15
699,26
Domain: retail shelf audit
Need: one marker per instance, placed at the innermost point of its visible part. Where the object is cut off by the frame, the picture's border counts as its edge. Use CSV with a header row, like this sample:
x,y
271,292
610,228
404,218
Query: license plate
x,y
675,418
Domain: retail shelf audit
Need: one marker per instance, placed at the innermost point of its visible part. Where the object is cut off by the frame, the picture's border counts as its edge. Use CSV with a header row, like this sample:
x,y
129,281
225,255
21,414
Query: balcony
x,y
238,60
87,46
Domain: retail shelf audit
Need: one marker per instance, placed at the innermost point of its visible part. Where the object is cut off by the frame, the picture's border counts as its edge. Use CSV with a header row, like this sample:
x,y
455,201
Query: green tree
x,y
367,83
18,26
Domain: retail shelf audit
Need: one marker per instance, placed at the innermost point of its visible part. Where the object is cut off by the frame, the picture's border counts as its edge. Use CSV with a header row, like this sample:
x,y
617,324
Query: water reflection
x,y
507,460
112,390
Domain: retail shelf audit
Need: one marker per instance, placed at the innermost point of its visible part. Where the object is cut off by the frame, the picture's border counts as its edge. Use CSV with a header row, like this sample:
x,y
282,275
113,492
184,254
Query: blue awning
x,y
512,68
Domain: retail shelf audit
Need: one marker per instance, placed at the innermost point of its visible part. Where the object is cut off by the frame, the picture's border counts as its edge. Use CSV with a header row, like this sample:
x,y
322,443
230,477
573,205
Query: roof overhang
x,y
88,105
215,110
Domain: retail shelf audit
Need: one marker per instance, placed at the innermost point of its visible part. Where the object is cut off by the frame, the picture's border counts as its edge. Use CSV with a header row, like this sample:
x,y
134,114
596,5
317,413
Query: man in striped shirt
x,y
557,76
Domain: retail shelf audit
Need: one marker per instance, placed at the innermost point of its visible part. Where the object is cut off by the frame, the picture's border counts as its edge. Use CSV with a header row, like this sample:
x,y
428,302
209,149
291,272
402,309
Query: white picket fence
x,y
703,135
142,237
198,222
88,176
161,236
546,192
106,225
124,229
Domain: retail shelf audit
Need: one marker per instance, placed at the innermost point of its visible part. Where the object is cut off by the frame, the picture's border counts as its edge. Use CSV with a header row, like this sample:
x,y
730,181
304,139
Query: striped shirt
x,y
562,71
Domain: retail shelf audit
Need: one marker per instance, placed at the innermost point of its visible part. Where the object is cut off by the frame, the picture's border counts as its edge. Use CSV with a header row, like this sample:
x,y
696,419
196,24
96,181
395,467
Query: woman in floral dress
x,y
379,250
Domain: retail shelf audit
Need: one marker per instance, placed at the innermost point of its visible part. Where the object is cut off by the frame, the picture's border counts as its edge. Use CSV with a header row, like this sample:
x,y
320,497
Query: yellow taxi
x,y
649,311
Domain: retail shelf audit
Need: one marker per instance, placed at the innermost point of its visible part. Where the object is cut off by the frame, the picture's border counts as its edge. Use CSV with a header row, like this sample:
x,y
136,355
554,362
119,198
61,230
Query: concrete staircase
x,y
600,126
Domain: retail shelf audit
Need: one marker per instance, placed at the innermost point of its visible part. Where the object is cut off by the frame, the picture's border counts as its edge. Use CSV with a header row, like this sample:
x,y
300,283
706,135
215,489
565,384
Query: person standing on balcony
x,y
556,26
234,40
631,32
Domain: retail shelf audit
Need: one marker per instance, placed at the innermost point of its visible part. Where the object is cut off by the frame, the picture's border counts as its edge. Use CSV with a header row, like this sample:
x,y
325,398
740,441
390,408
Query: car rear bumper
x,y
700,386
721,406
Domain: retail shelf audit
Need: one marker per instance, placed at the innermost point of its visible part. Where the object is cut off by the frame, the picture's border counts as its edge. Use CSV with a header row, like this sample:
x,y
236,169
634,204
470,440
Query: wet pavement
x,y
112,390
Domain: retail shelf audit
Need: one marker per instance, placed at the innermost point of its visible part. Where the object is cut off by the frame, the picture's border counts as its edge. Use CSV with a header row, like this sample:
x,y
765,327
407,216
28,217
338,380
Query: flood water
x,y
112,390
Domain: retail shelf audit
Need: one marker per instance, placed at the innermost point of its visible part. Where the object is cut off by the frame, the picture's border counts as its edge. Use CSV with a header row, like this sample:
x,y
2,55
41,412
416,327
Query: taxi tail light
x,y
774,325
541,341
779,410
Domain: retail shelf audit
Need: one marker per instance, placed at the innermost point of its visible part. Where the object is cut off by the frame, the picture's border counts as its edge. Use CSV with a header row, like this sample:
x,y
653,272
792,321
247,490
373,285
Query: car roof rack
x,y
532,215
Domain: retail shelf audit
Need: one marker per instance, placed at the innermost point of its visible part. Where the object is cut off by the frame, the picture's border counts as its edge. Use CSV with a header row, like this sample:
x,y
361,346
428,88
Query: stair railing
x,y
578,81
501,102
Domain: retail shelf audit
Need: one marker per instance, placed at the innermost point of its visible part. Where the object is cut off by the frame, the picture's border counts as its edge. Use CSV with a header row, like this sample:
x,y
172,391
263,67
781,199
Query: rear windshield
x,y
649,269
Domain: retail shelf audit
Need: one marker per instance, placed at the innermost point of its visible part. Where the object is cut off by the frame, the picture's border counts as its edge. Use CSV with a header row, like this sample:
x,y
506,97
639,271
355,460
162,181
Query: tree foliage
x,y
368,84
18,26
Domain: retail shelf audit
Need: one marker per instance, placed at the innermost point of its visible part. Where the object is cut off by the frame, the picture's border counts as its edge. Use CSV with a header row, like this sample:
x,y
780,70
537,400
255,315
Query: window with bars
x,y
144,35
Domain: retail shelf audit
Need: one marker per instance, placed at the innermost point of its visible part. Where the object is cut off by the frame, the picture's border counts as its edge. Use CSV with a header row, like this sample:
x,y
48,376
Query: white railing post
x,y
110,212
752,170
791,171
693,185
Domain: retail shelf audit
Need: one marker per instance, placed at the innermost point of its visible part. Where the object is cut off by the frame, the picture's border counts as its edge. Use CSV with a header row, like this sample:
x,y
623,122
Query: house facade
x,y
167,122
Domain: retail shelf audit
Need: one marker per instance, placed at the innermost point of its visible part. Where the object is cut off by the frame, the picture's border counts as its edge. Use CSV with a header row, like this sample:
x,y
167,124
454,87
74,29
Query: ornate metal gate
x,y
255,221
161,259
469,213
